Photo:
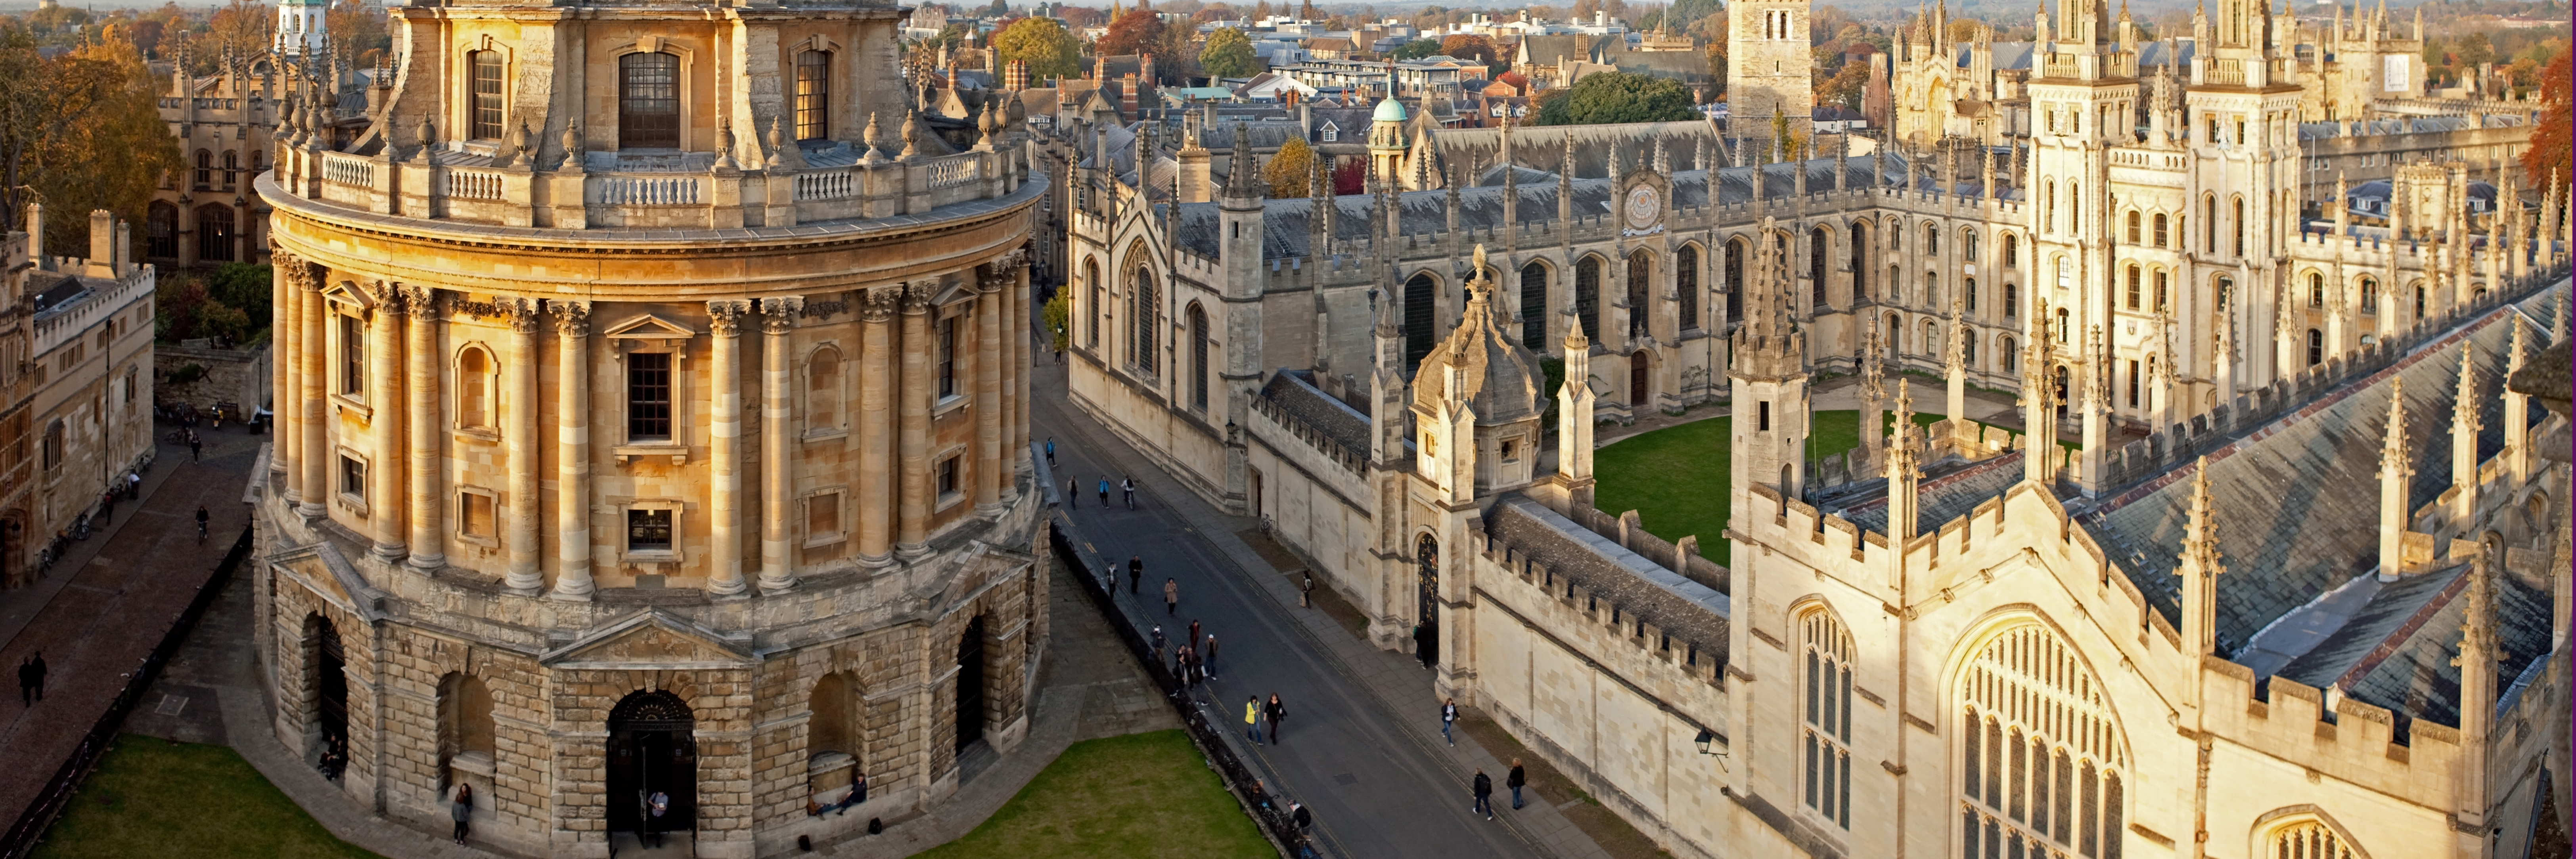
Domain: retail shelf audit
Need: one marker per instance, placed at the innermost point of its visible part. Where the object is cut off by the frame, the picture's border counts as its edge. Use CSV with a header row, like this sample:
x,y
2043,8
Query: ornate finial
x,y
2200,531
869,137
2392,448
572,143
428,135
2464,411
1479,273
912,136
777,143
724,144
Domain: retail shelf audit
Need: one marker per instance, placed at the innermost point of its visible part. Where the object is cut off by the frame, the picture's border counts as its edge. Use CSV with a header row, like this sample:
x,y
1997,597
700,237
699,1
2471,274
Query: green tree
x,y
1291,171
1228,54
1043,44
1057,315
1615,97
2474,50
1416,49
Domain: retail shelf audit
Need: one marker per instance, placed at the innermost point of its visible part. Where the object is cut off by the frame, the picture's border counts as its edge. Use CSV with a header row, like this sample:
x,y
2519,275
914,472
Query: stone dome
x,y
1500,378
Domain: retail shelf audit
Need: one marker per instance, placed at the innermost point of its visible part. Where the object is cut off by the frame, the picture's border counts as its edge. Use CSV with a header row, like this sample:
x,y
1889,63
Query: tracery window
x,y
2309,839
1143,312
2041,754
1534,307
1686,285
1826,728
1587,296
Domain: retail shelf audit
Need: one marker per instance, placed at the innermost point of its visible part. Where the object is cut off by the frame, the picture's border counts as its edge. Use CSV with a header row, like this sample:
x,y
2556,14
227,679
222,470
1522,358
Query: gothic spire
x,y
2200,568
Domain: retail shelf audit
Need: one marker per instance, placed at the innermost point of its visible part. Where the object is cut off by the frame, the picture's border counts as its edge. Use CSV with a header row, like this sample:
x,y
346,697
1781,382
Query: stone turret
x,y
2199,570
1476,402
2039,397
2464,440
2517,411
1955,368
1904,468
1769,378
2396,467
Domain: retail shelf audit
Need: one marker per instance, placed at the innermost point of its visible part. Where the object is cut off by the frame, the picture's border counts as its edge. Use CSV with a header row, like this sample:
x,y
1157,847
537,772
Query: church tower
x,y
1768,63
1386,142
302,27
1769,378
1239,251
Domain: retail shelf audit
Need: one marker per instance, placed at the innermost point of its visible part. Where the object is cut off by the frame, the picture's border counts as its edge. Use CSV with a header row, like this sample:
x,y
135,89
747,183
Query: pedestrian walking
x,y
1306,589
1182,660
1278,717
462,810
1129,486
1050,451
1252,718
133,486
1072,493
1210,654
1194,632
1297,812
195,445
1158,644
1135,572
1484,790
654,808
1171,597
107,508
1104,492
201,524
1448,717
1514,780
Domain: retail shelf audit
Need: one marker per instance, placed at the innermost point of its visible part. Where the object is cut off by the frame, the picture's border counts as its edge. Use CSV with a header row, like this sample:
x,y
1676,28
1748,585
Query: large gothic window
x,y
1091,318
1534,308
1825,731
1818,242
1735,280
1143,312
648,101
1418,297
1686,285
1198,358
1587,296
1860,261
1641,277
2041,755
2307,839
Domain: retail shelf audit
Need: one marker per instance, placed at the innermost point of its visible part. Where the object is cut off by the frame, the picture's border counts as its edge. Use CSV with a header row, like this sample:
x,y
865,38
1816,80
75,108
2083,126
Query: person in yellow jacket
x,y
1252,718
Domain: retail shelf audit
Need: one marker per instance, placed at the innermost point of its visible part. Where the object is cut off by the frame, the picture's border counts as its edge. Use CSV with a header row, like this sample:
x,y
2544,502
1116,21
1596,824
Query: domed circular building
x,y
655,426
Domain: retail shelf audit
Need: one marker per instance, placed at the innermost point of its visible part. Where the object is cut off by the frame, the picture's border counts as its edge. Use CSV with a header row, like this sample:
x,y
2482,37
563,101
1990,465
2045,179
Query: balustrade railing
x,y
613,190
954,172
473,185
348,170
840,184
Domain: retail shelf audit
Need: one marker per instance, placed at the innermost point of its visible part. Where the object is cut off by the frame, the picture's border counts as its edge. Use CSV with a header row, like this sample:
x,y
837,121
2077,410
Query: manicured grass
x,y
1138,795
153,797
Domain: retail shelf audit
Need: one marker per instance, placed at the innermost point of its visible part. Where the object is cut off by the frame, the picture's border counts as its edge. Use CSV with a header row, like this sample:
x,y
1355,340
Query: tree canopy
x,y
59,114
1469,46
2549,152
1291,171
1043,44
1612,97
1228,54
1137,32
1416,49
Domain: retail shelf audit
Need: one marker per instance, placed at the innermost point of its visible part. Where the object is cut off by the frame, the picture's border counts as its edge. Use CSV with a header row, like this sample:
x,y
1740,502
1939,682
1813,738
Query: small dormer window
x,y
1511,450
1332,132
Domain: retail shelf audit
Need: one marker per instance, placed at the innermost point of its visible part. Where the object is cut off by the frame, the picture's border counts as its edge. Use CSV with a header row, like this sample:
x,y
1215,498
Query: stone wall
x,y
239,376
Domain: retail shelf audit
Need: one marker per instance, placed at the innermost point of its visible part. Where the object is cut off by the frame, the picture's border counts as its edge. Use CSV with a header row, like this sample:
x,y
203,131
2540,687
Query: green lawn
x,y
1676,478
153,797
1138,795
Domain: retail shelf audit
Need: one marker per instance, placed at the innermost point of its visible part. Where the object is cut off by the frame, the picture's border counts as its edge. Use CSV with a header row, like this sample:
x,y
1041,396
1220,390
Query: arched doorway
x,y
1426,640
327,680
1641,378
651,749
970,683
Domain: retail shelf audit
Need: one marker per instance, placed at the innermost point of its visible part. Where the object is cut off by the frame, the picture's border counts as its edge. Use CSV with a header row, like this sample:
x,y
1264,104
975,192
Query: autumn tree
x,y
79,131
1290,171
1262,10
240,26
1228,54
358,29
2548,156
1137,32
1469,46
1043,44
1611,97
1844,87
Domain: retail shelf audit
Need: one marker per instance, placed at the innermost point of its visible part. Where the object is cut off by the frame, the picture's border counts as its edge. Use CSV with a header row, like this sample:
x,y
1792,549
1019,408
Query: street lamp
x,y
1705,739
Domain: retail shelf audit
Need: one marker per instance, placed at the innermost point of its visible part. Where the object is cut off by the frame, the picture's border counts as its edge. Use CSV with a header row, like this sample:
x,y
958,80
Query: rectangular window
x,y
1766,416
823,515
474,514
648,101
948,484
2133,384
353,356
648,396
2160,292
353,477
947,357
487,95
648,530
813,95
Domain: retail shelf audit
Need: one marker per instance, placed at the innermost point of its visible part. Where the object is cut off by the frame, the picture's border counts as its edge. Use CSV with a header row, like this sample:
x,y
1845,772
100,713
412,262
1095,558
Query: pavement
x,y
99,612
1362,748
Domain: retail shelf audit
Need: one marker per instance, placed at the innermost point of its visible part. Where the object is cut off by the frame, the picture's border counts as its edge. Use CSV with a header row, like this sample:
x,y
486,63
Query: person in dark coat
x,y
1072,493
1515,780
1484,791
1194,632
1158,644
1135,573
1278,716
1298,814
36,674
462,810
1448,718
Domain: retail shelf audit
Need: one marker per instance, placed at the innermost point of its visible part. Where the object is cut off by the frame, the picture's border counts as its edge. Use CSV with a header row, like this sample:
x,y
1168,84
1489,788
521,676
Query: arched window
x,y
1587,296
1641,273
1931,239
2160,229
161,231
2316,347
2160,290
2208,223
2236,221
648,101
813,95
2369,295
474,372
2065,326
2074,208
2011,358
232,169
205,178
1968,244
2133,226
2040,752
2048,205
2133,290
1534,307
2012,301
1144,311
1860,261
2307,839
1198,358
2419,301
1818,242
1968,292
2012,251
215,233
1735,280
1932,291
1091,321
2057,266
1968,350
488,100
1418,297
1825,729
1686,285
823,390
1895,336
2316,290
52,452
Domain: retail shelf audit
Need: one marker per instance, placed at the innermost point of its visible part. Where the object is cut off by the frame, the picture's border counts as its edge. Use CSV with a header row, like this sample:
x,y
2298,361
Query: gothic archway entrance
x,y
1427,598
652,749
970,683
1641,379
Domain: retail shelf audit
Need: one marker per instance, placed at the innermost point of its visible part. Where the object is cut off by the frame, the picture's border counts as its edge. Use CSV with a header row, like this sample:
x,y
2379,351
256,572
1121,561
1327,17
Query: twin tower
x,y
1769,60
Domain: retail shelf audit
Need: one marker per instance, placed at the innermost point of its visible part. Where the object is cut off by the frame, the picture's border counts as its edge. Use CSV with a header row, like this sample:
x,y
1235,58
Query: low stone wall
x,y
240,376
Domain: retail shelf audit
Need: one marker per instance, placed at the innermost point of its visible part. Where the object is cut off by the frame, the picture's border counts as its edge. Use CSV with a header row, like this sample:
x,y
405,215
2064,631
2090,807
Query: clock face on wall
x,y
1643,205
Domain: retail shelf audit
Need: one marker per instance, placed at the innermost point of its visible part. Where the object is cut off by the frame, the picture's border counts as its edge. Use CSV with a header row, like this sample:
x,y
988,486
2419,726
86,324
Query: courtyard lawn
x,y
1140,795
153,797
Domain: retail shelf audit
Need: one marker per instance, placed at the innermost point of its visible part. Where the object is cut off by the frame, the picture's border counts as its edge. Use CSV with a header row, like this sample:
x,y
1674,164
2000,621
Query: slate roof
x,y
1943,497
1684,609
2409,669
2297,512
2406,125
1294,394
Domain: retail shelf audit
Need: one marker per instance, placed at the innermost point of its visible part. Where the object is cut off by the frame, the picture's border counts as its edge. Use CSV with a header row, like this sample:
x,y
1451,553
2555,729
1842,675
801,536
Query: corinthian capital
x,y
522,313
1011,260
879,303
388,296
778,315
572,317
421,299
724,316
917,295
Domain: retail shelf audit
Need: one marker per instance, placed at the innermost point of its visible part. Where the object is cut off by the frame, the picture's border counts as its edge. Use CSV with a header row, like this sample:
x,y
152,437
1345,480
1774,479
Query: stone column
x,y
427,496
384,423
724,448
1016,331
876,372
989,349
777,448
572,450
285,344
519,444
313,349
912,521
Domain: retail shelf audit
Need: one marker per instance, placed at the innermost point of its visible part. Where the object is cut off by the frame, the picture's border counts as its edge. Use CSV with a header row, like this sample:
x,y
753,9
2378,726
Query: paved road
x,y
1375,788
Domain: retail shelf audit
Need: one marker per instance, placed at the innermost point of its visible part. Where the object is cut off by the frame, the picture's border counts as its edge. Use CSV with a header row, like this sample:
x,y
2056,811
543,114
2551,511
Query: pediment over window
x,y
348,292
650,327
653,639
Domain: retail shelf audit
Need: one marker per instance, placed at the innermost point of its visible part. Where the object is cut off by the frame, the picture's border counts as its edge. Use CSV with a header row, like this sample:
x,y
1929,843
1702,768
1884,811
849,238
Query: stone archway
x,y
652,749
1426,557
970,683
326,681
1641,379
